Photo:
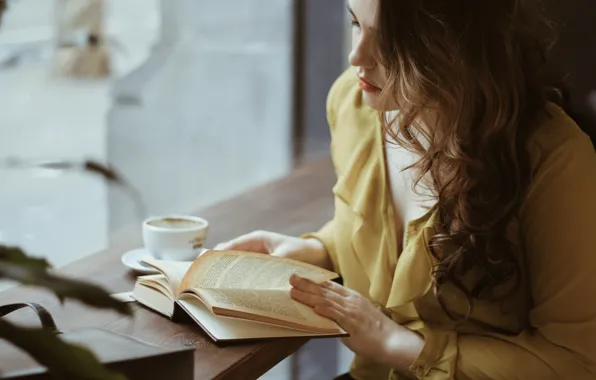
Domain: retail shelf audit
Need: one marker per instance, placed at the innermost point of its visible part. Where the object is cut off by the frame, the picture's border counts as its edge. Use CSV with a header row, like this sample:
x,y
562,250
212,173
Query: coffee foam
x,y
175,223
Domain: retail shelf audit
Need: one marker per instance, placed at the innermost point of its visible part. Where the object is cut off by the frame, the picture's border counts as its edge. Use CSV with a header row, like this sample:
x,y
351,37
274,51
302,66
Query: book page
x,y
245,270
174,271
159,282
153,298
232,329
275,305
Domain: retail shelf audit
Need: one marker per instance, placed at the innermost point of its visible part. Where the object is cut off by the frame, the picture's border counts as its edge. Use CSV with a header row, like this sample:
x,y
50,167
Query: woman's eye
x,y
354,24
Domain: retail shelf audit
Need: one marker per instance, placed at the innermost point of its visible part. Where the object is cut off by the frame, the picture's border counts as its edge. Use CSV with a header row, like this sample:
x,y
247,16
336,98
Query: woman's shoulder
x,y
557,135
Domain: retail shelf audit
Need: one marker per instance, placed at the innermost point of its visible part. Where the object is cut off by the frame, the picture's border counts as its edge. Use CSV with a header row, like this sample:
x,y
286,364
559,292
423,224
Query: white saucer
x,y
132,259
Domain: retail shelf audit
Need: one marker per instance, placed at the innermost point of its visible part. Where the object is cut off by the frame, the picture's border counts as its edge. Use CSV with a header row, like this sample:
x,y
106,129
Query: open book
x,y
236,295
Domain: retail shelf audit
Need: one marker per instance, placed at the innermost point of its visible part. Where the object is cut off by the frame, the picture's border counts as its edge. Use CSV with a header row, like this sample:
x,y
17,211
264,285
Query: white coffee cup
x,y
175,237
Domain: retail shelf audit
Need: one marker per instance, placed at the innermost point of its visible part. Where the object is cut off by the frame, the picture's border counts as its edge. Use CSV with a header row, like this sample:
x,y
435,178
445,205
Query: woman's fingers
x,y
305,285
308,299
332,312
311,294
324,302
336,288
322,288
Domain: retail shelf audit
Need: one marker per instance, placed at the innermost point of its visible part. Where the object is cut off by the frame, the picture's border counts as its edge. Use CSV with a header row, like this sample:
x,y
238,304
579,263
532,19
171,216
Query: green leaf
x,y
108,172
17,256
15,265
65,360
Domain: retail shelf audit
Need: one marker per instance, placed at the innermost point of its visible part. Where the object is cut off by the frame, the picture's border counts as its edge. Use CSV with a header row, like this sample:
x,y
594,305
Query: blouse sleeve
x,y
559,235
326,234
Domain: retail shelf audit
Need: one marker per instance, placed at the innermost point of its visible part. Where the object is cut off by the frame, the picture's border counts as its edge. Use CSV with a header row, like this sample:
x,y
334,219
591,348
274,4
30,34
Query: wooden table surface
x,y
300,203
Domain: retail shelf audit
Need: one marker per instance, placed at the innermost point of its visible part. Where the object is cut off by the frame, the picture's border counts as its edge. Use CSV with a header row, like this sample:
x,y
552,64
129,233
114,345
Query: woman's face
x,y
371,74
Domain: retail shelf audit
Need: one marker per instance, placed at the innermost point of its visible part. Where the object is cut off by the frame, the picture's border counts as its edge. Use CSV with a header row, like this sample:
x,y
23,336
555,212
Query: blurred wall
x,y
59,217
575,55
321,58
209,115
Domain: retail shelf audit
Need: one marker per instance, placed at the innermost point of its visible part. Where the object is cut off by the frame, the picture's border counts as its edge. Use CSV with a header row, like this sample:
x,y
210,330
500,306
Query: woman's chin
x,y
373,100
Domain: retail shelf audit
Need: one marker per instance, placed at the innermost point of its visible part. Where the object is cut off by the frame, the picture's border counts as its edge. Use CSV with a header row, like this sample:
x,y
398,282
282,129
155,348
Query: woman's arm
x,y
308,250
323,253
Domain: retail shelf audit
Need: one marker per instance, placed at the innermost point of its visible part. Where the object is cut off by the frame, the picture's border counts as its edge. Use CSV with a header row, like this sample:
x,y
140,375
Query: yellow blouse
x,y
547,330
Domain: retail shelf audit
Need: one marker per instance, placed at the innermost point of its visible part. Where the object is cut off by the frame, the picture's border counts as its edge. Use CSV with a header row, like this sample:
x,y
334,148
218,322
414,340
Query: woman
x,y
463,223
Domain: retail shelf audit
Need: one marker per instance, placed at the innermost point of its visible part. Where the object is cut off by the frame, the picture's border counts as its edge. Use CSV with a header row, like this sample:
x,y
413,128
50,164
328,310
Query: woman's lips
x,y
366,86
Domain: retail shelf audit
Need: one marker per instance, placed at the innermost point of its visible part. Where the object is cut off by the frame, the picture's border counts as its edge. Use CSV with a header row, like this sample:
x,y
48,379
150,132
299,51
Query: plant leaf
x,y
2,8
65,360
106,171
15,265
89,294
17,256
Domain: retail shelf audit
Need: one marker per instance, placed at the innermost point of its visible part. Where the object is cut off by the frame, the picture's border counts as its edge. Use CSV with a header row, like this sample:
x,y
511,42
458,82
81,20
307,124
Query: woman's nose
x,y
362,54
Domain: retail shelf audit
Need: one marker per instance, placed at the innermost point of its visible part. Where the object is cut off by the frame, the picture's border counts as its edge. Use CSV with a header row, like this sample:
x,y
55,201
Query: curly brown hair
x,y
479,68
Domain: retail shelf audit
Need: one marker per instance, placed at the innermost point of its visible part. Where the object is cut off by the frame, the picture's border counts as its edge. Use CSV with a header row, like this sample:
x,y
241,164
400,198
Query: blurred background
x,y
222,92
194,101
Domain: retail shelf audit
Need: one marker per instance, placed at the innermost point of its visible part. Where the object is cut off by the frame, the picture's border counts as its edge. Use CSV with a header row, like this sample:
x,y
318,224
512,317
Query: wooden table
x,y
299,203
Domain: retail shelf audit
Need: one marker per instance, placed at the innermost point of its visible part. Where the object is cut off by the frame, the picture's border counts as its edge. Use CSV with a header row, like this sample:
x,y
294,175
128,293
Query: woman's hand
x,y
372,333
310,251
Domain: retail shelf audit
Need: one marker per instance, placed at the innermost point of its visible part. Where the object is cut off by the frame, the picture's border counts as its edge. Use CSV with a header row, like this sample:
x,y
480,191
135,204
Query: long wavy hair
x,y
475,73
